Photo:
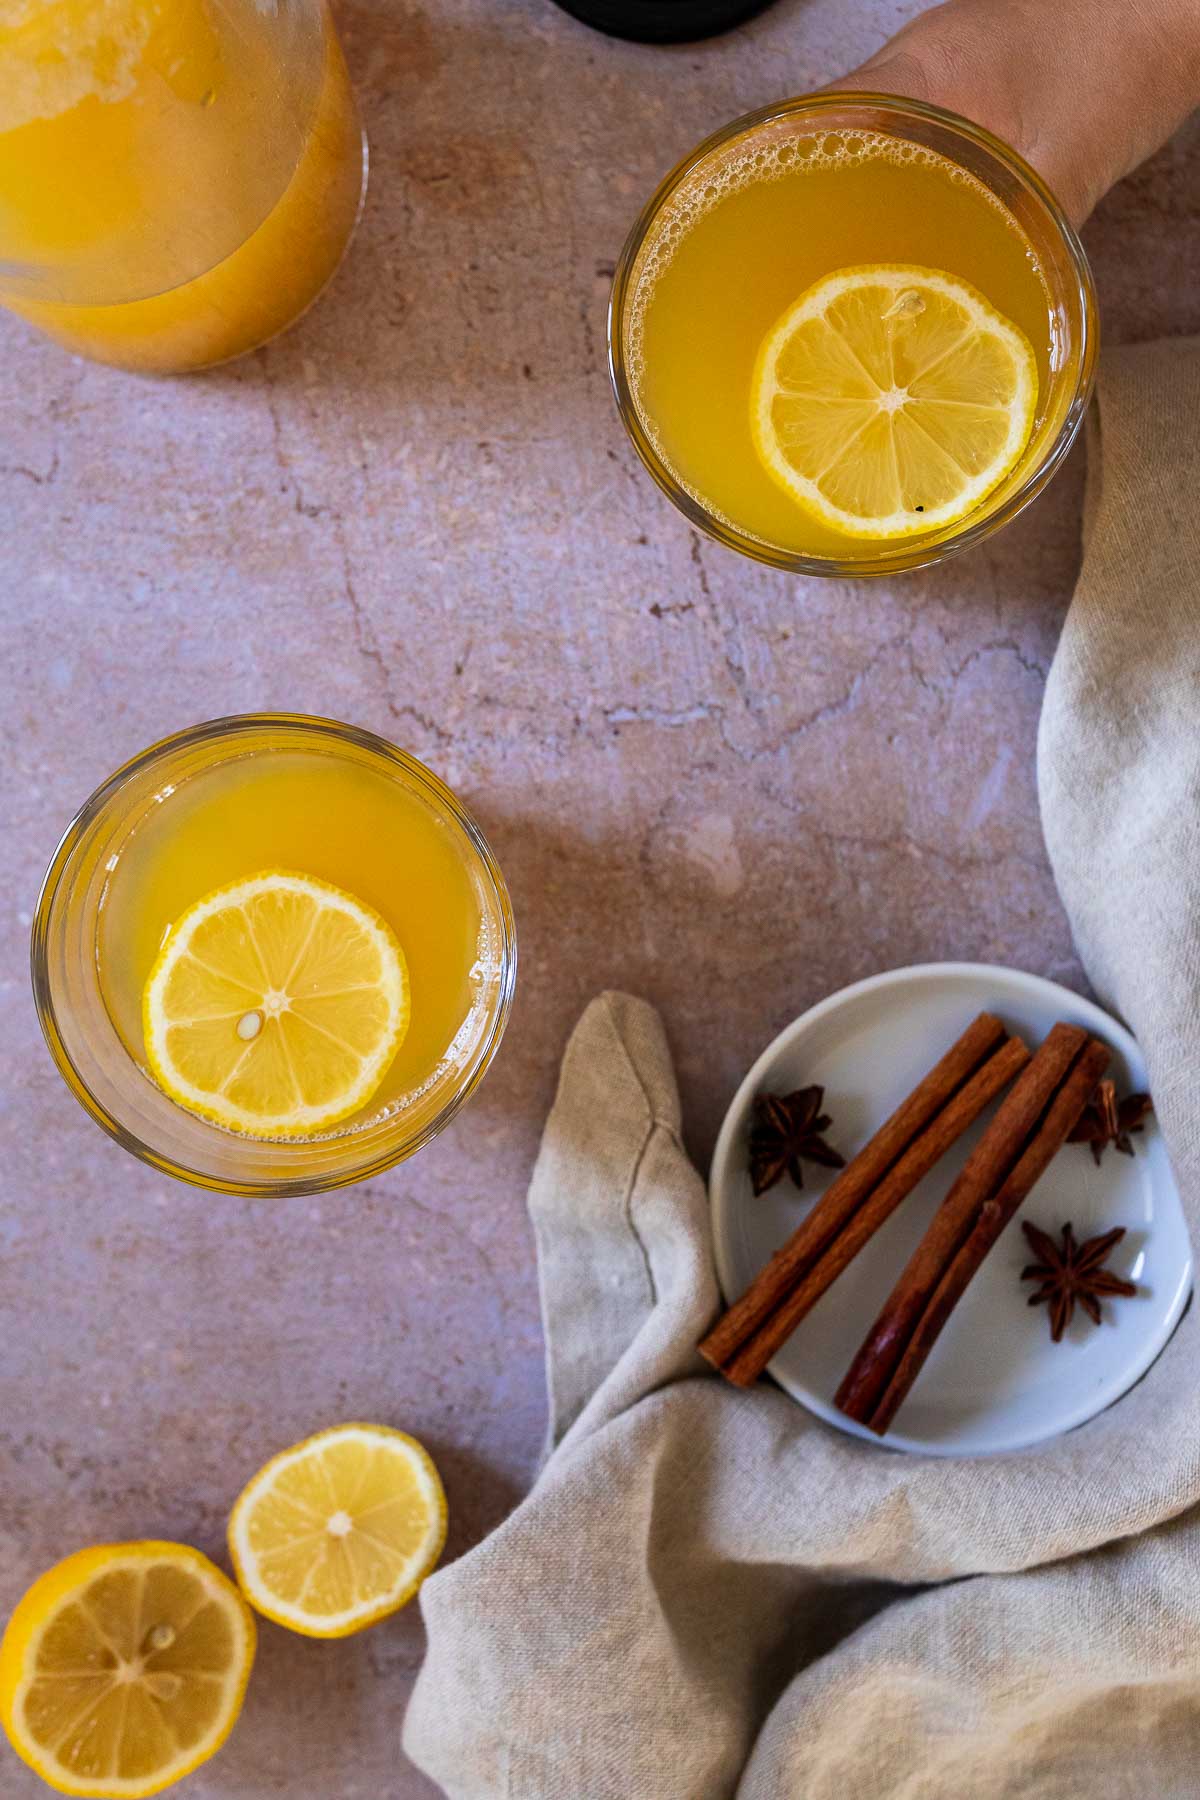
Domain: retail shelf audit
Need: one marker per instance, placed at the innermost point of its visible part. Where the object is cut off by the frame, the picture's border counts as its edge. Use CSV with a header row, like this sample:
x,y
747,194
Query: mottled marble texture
x,y
720,787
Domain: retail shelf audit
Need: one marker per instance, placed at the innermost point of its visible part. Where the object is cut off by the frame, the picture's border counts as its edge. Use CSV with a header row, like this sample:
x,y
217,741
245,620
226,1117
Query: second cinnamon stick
x,y
994,1215
991,1160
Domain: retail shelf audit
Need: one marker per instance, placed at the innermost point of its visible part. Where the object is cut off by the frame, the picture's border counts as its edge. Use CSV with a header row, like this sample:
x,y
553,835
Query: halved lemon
x,y
890,399
276,1005
339,1531
124,1668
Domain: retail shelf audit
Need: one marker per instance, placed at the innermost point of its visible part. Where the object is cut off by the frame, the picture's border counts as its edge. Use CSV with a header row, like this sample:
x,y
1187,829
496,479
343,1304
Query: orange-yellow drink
x,y
850,333
273,953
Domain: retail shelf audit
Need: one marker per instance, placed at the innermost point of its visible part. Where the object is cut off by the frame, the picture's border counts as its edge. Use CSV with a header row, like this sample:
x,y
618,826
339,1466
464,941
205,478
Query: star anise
x,y
787,1128
1104,1121
1072,1273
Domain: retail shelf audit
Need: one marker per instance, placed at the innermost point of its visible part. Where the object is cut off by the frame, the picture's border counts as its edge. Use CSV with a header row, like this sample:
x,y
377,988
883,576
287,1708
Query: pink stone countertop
x,y
709,783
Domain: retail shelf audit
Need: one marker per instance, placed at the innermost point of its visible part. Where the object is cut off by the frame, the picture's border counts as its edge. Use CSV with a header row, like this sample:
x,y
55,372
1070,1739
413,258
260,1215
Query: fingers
x,y
977,58
1082,89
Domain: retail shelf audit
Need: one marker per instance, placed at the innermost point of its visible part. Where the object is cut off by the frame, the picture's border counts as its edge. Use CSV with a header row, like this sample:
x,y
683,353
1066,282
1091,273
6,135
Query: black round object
x,y
663,21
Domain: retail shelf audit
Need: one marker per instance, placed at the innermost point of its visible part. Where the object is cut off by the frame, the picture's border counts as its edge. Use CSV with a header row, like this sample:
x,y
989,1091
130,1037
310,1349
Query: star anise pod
x,y
1071,1273
787,1128
1106,1121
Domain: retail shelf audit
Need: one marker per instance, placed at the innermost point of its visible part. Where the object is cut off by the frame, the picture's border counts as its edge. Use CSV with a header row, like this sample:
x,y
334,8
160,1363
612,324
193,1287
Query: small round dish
x,y
995,1380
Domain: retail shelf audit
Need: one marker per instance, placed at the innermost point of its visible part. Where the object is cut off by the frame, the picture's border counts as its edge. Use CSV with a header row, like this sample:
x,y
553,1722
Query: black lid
x,y
662,21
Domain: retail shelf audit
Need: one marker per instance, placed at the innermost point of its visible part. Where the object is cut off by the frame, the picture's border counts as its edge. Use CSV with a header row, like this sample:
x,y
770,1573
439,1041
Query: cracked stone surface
x,y
722,788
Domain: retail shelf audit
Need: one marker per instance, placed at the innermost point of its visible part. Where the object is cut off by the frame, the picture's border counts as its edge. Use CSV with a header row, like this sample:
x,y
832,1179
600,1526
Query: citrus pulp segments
x,y
86,1697
325,976
339,1531
889,400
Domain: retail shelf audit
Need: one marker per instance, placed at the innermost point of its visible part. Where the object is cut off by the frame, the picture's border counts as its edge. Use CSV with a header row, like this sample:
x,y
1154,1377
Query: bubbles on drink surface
x,y
752,162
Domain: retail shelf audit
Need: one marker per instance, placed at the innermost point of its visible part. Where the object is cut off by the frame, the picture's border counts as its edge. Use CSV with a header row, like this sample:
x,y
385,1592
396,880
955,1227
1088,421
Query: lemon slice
x,y
339,1531
276,1005
124,1668
888,400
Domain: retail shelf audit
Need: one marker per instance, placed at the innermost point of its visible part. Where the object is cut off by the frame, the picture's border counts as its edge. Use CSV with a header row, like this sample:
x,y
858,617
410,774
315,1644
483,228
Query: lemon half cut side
x,y
890,399
124,1668
276,1006
339,1531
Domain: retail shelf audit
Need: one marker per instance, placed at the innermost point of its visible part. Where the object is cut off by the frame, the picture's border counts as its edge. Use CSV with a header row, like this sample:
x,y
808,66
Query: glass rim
x,y
208,731
900,560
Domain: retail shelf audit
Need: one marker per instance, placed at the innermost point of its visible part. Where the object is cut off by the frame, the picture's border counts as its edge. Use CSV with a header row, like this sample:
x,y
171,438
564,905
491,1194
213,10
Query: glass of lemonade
x,y
852,334
178,178
273,954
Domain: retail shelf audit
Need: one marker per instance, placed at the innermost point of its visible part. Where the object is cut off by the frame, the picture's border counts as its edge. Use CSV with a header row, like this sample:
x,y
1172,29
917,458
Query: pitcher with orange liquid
x,y
178,178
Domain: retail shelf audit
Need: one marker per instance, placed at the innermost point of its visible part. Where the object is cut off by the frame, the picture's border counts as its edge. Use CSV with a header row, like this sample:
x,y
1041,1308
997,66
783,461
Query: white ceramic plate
x,y
994,1381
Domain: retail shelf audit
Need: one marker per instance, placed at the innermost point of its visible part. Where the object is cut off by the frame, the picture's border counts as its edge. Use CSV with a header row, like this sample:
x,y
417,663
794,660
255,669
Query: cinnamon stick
x,y
946,1128
996,1212
991,1160
845,1195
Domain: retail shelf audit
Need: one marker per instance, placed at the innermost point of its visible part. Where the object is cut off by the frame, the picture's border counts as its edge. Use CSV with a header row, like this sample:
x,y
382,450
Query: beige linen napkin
x,y
711,1593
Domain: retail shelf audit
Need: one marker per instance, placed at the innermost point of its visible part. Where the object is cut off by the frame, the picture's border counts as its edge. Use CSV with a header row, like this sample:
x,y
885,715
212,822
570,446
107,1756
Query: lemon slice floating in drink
x,y
889,400
340,1531
276,1006
124,1668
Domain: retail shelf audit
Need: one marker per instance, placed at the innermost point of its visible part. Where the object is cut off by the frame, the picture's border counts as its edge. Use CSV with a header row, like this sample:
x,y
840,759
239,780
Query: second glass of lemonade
x,y
851,334
178,178
273,954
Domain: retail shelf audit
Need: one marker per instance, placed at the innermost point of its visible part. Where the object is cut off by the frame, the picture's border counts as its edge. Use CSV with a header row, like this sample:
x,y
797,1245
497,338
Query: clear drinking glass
x,y
178,178
779,199
209,805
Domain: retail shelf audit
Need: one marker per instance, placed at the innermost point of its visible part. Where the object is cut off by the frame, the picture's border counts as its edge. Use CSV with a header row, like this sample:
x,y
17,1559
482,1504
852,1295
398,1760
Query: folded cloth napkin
x,y
711,1593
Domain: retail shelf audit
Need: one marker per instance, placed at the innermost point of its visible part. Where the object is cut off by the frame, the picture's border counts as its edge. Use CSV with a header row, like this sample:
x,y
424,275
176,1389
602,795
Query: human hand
x,y
1085,90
